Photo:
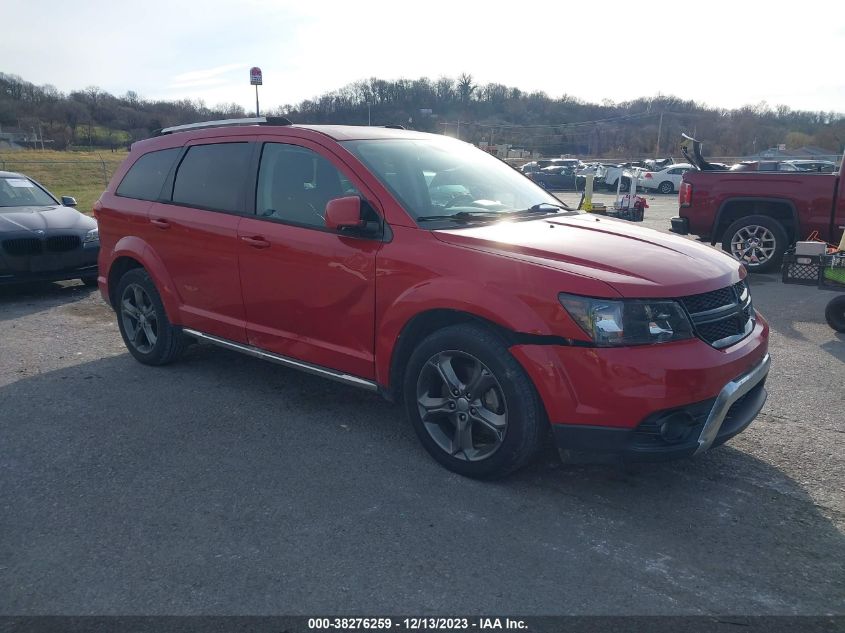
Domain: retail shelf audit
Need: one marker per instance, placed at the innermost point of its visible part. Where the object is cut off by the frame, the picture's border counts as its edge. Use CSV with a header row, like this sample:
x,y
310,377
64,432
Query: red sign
x,y
255,76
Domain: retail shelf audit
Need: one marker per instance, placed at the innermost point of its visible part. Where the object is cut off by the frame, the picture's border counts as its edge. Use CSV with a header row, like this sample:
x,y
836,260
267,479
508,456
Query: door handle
x,y
161,223
256,241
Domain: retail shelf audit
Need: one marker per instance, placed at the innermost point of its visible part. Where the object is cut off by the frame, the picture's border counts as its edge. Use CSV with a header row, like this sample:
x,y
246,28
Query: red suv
x,y
425,269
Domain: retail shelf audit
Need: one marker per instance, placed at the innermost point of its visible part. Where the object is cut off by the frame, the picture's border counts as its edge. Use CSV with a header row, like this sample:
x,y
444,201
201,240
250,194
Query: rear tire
x,y
835,313
503,421
144,326
758,241
666,187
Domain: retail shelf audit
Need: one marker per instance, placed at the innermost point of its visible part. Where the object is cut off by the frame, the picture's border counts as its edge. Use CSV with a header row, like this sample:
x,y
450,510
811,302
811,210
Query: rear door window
x,y
212,176
145,178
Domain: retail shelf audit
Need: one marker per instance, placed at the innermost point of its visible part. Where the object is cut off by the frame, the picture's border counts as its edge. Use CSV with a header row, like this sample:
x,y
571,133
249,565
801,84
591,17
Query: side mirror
x,y
68,201
344,213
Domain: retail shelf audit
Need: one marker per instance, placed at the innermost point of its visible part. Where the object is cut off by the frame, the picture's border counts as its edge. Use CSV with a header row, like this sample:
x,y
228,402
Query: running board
x,y
284,360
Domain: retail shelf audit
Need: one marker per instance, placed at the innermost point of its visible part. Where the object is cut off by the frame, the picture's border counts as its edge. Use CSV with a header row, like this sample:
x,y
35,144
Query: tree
x,y
465,87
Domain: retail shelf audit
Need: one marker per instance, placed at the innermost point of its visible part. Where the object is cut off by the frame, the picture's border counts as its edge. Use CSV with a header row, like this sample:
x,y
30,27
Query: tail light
x,y
685,194
648,175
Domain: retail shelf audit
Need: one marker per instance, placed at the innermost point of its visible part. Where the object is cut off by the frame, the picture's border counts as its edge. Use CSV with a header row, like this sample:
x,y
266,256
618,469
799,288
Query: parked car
x,y
490,315
42,238
667,180
612,175
823,166
764,165
756,216
542,163
557,178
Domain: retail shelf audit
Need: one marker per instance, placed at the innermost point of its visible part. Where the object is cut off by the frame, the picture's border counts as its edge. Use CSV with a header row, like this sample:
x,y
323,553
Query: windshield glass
x,y
447,179
22,192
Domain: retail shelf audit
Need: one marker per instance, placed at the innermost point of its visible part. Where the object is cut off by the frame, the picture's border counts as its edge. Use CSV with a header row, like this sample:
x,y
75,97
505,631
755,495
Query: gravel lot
x,y
225,485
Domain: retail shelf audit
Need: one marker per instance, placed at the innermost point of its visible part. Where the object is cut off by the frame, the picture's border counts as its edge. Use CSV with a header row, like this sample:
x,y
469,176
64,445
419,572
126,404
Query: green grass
x,y
83,175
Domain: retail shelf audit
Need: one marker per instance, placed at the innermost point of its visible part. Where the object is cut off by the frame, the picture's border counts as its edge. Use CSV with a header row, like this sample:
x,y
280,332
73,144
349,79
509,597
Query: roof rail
x,y
395,127
257,120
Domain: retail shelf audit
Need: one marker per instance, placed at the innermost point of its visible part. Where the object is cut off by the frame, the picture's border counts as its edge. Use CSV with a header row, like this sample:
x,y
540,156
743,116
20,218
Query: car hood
x,y
633,260
23,219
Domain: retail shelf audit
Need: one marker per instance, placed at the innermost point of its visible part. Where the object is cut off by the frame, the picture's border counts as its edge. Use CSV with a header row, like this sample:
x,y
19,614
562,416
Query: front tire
x,y
471,403
835,314
758,241
144,326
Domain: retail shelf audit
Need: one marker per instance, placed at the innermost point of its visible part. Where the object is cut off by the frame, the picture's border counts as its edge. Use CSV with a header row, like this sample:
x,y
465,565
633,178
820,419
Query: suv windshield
x,y
22,192
446,179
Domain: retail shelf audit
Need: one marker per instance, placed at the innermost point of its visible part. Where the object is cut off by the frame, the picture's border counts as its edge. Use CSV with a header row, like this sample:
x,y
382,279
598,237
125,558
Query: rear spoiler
x,y
696,159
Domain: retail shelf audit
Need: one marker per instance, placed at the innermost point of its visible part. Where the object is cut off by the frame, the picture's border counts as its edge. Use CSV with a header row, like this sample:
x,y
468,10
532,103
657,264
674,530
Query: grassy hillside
x,y
82,175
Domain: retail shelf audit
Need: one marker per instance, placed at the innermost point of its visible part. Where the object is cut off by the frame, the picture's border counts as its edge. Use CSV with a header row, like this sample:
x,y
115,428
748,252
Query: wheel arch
x,y
416,329
734,208
132,252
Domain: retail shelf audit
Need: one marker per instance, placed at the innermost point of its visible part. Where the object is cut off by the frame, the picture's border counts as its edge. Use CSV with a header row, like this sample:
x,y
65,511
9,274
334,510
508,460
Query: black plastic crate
x,y
801,269
832,272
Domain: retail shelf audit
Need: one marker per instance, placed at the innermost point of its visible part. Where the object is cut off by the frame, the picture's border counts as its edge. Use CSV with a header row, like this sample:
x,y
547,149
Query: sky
x,y
725,54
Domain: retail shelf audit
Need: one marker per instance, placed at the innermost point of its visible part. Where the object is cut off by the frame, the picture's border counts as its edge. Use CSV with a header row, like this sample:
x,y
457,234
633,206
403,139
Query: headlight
x,y
629,322
92,236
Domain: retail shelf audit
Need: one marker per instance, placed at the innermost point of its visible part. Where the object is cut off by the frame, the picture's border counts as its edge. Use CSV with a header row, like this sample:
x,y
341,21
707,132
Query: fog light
x,y
676,426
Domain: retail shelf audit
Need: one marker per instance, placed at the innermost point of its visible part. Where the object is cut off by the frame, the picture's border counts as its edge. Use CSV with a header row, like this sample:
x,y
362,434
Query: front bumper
x,y
80,272
615,400
74,264
706,424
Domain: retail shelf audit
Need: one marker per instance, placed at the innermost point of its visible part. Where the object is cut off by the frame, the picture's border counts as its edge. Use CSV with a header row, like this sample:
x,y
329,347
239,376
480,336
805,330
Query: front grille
x,y
23,246
710,300
62,243
721,317
27,246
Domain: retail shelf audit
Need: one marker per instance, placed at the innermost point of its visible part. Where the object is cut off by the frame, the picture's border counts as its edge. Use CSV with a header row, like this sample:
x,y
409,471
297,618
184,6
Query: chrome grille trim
x,y
722,317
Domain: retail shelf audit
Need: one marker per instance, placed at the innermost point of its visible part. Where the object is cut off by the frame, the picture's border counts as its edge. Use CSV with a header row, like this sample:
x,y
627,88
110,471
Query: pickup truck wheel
x,y
471,404
758,241
143,323
835,313
666,187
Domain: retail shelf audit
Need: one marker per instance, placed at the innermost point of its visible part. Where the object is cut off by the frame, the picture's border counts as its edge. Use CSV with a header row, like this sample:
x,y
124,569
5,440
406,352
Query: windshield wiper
x,y
464,216
543,207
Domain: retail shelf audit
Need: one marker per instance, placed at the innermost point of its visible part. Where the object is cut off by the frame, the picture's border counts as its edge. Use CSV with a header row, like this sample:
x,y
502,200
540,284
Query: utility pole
x,y
459,130
369,120
659,130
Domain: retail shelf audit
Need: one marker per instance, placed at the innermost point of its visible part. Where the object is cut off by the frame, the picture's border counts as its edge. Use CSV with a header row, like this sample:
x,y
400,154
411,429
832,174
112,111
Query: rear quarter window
x,y
212,176
146,177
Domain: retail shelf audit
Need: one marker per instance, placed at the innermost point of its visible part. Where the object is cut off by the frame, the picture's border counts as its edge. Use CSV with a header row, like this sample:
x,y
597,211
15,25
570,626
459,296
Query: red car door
x,y
195,235
309,293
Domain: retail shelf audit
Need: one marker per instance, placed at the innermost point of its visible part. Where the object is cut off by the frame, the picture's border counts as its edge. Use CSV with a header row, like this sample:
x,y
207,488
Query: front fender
x,y
514,312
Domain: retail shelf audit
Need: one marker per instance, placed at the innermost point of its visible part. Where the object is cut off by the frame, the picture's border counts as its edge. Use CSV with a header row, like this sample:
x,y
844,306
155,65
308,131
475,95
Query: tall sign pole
x,y
255,80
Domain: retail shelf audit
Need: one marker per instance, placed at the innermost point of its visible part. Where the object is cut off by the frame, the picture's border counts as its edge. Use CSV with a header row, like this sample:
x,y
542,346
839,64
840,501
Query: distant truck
x,y
757,215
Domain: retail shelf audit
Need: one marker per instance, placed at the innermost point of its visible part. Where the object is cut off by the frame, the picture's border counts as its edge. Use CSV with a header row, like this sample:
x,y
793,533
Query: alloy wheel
x,y
462,405
139,318
753,244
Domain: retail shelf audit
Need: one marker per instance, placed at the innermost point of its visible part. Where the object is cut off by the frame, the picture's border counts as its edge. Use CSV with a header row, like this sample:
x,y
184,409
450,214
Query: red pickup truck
x,y
757,215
